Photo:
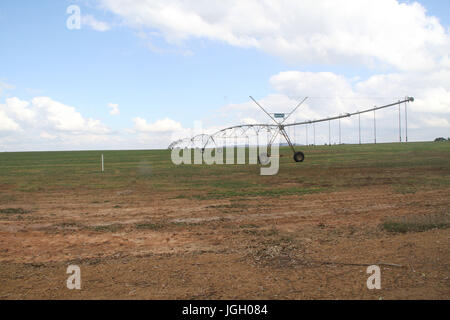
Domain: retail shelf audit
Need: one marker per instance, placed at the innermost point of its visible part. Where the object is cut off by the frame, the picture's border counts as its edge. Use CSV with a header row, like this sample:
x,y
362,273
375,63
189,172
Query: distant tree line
x,y
441,139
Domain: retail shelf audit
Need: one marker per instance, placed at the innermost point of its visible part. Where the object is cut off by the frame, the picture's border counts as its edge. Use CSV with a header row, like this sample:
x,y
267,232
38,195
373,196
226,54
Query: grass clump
x,y
418,223
228,206
69,225
256,193
107,228
13,211
247,226
149,226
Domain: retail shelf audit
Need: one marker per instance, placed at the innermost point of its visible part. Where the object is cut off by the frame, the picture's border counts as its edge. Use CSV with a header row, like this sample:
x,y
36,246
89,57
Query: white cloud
x,y
435,100
248,112
65,118
6,123
331,94
114,109
248,121
364,32
20,109
164,125
316,84
436,122
405,48
89,20
46,135
431,90
46,124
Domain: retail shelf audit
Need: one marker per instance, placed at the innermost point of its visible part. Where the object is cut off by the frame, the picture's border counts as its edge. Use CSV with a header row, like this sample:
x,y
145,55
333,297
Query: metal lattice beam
x,y
204,140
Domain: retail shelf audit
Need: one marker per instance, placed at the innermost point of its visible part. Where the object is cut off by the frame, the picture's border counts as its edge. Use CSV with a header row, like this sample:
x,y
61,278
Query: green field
x,y
406,167
146,228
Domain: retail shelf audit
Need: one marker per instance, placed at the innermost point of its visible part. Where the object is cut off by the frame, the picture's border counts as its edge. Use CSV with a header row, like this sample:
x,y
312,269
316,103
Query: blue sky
x,y
155,70
89,69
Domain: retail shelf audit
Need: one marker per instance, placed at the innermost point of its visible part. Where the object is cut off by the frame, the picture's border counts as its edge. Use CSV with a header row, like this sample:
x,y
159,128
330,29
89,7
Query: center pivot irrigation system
x,y
273,130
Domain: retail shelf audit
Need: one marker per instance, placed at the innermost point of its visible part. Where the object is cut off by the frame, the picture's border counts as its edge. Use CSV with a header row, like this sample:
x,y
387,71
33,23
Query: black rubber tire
x,y
299,156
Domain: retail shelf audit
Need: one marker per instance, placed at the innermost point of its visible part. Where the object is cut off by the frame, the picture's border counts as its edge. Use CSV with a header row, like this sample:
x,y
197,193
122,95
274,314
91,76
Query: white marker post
x,y
103,167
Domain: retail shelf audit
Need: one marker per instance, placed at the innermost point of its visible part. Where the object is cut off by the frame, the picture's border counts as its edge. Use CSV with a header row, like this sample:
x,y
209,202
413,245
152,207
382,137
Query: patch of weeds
x,y
228,206
286,239
64,227
68,225
250,231
107,228
7,198
405,189
117,206
239,199
352,230
88,261
149,226
418,223
180,196
271,232
274,193
262,233
30,189
230,226
14,211
185,224
246,226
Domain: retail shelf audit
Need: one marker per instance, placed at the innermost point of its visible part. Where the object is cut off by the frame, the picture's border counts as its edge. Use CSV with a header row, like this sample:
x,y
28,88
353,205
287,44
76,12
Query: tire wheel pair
x,y
299,156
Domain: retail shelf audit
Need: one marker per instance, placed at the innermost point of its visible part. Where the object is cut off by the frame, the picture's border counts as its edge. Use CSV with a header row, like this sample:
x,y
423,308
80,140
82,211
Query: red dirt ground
x,y
131,245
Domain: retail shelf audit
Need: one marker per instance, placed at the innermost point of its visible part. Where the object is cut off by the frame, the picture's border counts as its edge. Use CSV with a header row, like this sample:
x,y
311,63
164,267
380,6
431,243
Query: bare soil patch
x,y
131,245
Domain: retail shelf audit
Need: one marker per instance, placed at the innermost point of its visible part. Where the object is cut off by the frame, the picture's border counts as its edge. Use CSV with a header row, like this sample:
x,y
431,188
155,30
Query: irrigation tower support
x,y
399,122
329,133
406,120
340,130
374,128
314,129
359,127
306,130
